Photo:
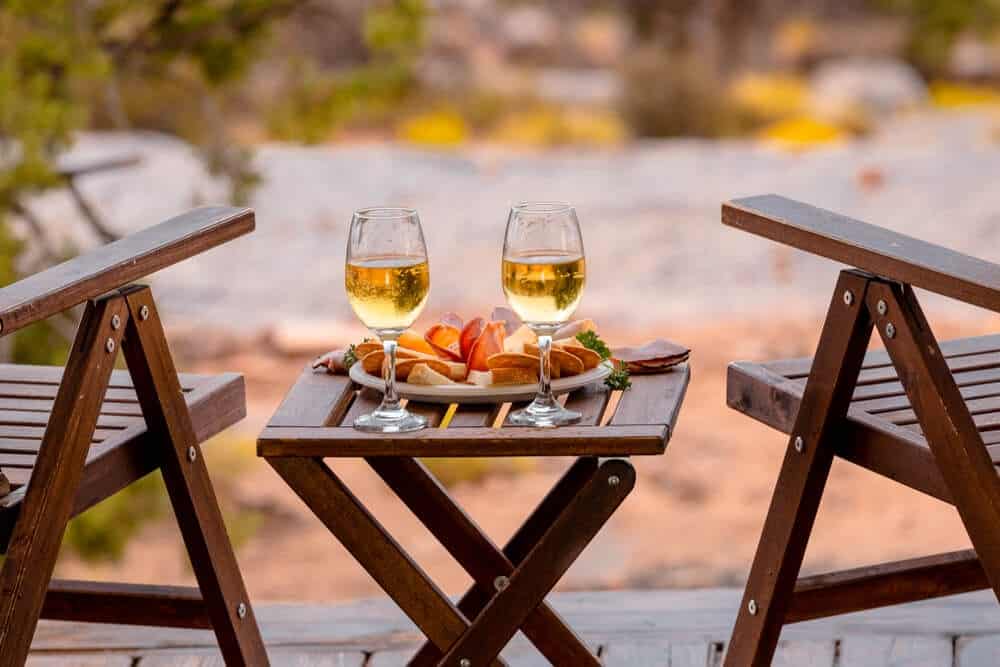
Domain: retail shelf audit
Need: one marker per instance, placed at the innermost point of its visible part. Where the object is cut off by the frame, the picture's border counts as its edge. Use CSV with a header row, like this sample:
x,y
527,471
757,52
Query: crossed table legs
x,y
509,585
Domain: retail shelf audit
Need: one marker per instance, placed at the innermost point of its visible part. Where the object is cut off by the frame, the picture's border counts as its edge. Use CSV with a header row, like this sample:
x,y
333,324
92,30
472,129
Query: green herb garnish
x,y
619,378
350,357
591,341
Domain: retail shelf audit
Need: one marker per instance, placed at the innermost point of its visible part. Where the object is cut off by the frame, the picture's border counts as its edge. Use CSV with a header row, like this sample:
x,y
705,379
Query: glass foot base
x,y
400,422
543,415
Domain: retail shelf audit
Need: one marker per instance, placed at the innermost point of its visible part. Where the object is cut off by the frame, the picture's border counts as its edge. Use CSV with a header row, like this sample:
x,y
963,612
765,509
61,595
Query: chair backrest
x,y
876,250
119,263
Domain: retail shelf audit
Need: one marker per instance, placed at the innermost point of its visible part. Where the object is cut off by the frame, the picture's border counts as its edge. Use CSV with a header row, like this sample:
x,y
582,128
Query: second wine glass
x,y
387,280
544,271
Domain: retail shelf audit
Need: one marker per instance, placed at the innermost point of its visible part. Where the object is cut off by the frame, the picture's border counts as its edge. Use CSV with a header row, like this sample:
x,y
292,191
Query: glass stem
x,y
544,395
390,401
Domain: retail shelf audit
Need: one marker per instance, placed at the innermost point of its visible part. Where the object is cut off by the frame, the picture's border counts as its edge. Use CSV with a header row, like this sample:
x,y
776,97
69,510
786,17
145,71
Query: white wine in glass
x,y
543,271
387,280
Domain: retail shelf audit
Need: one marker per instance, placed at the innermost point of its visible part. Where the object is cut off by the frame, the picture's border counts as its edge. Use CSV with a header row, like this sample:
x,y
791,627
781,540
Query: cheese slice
x,y
480,378
515,342
424,374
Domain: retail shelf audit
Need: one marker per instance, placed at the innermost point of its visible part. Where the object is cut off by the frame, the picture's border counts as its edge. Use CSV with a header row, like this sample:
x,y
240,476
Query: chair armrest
x,y
867,247
117,264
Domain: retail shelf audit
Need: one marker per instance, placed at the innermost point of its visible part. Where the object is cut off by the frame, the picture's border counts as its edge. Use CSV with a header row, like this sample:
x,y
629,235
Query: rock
x,y
869,87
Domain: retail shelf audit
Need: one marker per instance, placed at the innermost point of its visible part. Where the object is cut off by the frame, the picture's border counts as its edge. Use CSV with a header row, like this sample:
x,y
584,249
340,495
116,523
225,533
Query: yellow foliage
x,y
553,127
454,471
802,132
436,128
949,95
770,97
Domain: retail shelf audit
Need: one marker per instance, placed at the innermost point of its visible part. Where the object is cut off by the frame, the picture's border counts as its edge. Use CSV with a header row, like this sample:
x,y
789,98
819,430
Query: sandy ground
x,y
693,519
659,264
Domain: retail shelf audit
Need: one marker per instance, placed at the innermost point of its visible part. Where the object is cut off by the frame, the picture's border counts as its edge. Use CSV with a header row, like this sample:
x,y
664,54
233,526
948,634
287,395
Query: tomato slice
x,y
444,339
470,332
489,342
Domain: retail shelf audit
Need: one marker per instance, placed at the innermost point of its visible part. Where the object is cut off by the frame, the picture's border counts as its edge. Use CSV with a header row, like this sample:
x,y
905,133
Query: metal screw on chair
x,y
799,444
501,583
752,607
614,480
144,313
464,662
116,322
192,454
890,330
881,307
109,345
241,610
848,297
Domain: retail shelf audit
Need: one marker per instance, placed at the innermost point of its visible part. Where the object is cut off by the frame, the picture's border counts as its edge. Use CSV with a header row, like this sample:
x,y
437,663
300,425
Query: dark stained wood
x,y
545,564
126,604
653,399
117,264
454,442
877,250
590,402
315,422
476,553
886,584
951,433
316,399
474,416
863,439
361,534
188,484
803,475
48,503
129,454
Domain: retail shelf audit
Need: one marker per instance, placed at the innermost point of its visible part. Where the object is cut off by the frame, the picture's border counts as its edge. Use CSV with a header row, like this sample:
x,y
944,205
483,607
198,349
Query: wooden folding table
x,y
510,584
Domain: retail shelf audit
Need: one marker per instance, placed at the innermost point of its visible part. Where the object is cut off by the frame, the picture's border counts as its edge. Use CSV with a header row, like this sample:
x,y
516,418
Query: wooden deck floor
x,y
662,628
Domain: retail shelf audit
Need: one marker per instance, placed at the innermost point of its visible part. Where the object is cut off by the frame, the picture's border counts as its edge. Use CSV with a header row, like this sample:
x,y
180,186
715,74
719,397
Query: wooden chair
x,y
923,414
72,437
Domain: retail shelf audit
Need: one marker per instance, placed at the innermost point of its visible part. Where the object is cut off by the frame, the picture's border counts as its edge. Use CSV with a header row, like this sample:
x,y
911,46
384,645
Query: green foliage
x,y
619,378
103,531
935,25
591,341
316,104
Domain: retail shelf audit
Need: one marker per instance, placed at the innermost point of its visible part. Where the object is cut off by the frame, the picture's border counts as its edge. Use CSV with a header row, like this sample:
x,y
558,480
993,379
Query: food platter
x,y
469,393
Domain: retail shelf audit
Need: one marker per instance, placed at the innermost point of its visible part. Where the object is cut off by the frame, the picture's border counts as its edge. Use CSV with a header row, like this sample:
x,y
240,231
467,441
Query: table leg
x,y
480,557
544,564
368,541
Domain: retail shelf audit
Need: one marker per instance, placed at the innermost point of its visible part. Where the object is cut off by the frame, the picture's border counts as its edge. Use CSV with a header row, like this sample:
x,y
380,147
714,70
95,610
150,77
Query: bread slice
x,y
507,376
511,360
563,363
423,374
589,358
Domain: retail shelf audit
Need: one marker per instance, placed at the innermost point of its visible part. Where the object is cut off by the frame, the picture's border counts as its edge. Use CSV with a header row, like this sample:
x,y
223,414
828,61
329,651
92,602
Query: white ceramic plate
x,y
469,393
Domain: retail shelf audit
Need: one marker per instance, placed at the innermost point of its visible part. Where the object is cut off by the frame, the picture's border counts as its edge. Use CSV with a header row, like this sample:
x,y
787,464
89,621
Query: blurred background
x,y
117,114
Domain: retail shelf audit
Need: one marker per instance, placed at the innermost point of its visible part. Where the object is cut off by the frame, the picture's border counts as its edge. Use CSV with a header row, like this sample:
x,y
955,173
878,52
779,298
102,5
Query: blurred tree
x,y
65,63
937,24
316,101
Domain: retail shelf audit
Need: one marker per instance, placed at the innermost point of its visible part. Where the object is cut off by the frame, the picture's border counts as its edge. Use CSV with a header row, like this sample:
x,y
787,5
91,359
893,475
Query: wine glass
x,y
387,279
543,276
